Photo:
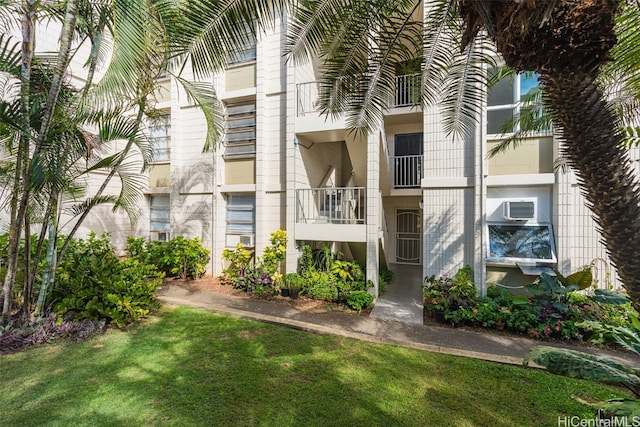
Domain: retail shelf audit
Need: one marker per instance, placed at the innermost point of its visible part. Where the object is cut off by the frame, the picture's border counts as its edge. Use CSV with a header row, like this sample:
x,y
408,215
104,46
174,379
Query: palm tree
x,y
145,38
566,42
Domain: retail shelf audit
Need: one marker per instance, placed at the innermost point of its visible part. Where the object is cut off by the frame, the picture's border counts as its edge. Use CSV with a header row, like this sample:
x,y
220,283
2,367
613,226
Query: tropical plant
x,y
239,258
462,285
94,284
275,253
135,43
305,263
566,43
185,258
578,364
358,300
321,285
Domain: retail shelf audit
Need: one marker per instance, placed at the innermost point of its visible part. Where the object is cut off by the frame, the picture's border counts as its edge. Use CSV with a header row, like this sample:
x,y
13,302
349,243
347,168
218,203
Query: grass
x,y
190,367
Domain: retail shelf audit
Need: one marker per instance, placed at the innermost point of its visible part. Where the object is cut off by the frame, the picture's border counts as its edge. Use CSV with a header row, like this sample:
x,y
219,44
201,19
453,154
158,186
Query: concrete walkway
x,y
403,300
455,341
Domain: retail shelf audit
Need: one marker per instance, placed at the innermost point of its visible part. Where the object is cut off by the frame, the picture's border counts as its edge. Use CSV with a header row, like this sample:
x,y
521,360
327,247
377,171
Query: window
x,y
160,137
240,132
241,214
246,50
506,99
159,213
521,242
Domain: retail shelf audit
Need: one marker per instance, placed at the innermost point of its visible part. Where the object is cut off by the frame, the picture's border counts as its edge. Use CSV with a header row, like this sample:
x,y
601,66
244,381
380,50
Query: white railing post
x,y
341,205
407,171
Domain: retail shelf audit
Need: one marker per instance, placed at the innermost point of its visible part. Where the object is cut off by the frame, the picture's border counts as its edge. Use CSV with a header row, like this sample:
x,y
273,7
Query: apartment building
x,y
404,194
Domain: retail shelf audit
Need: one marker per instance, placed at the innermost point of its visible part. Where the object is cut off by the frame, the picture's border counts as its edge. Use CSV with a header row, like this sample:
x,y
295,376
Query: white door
x,y
408,236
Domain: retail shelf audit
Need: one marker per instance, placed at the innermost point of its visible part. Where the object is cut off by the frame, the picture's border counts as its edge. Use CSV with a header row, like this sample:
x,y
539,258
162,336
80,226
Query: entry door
x,y
408,236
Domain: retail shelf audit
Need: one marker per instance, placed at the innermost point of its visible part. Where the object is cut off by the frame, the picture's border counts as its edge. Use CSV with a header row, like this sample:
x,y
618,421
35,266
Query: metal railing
x,y
407,90
407,171
307,97
407,93
343,205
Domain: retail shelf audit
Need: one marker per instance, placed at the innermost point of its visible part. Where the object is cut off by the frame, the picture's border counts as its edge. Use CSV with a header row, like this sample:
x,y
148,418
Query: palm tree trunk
x,y
594,150
21,161
66,39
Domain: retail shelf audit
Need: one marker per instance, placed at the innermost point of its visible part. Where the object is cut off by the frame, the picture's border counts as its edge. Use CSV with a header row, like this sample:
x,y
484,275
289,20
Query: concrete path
x,y
403,301
495,347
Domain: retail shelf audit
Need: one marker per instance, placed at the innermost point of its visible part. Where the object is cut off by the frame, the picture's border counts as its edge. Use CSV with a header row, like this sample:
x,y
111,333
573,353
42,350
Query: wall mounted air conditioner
x,y
162,236
248,240
520,210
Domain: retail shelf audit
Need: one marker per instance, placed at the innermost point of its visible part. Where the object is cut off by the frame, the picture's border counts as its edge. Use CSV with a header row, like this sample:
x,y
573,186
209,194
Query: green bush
x,y
294,281
92,283
321,285
384,278
185,258
305,264
358,300
239,258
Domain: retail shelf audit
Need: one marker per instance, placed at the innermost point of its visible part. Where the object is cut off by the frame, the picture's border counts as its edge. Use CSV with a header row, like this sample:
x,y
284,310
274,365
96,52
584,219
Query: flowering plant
x,y
436,303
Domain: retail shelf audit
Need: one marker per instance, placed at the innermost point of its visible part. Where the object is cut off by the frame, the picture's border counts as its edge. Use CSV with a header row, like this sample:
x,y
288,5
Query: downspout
x,y
480,275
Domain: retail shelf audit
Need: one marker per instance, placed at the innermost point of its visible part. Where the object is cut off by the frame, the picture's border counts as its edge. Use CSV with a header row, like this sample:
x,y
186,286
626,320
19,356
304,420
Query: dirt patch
x,y
206,283
305,304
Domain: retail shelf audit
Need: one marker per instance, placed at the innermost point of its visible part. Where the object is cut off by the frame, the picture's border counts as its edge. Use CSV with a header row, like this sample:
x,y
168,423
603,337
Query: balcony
x,y
331,214
407,171
407,93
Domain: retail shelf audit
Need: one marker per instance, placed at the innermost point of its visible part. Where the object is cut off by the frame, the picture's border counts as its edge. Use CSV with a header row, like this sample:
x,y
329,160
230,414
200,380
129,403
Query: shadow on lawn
x,y
190,367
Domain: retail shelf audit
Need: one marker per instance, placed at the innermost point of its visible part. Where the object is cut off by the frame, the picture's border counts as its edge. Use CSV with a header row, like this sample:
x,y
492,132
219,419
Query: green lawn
x,y
191,367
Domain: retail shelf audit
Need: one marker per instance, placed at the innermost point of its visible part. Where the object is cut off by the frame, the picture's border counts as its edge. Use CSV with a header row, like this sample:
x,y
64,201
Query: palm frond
x,y
207,32
204,96
311,23
578,364
625,54
10,55
464,91
79,208
132,186
138,52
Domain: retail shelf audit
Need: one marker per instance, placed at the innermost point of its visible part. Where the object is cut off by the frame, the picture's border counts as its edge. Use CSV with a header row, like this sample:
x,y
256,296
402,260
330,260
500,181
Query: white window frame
x,y
240,223
159,213
514,106
493,256
240,129
160,138
246,54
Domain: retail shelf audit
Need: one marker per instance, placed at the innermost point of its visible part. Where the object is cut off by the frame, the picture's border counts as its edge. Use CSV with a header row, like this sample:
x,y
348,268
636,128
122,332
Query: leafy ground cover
x,y
191,367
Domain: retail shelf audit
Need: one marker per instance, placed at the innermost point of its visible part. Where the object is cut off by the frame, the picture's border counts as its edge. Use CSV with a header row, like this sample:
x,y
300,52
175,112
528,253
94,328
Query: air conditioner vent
x,y
247,240
519,210
162,236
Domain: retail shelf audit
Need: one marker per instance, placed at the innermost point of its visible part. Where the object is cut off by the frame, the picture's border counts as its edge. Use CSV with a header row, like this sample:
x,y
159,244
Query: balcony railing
x,y
344,205
307,94
407,171
407,93
407,90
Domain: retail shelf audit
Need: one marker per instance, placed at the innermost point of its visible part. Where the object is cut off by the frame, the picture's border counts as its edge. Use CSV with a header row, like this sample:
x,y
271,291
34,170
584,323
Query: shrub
x,y
185,258
358,300
92,283
275,253
45,330
305,264
254,279
384,278
239,258
321,285
294,281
